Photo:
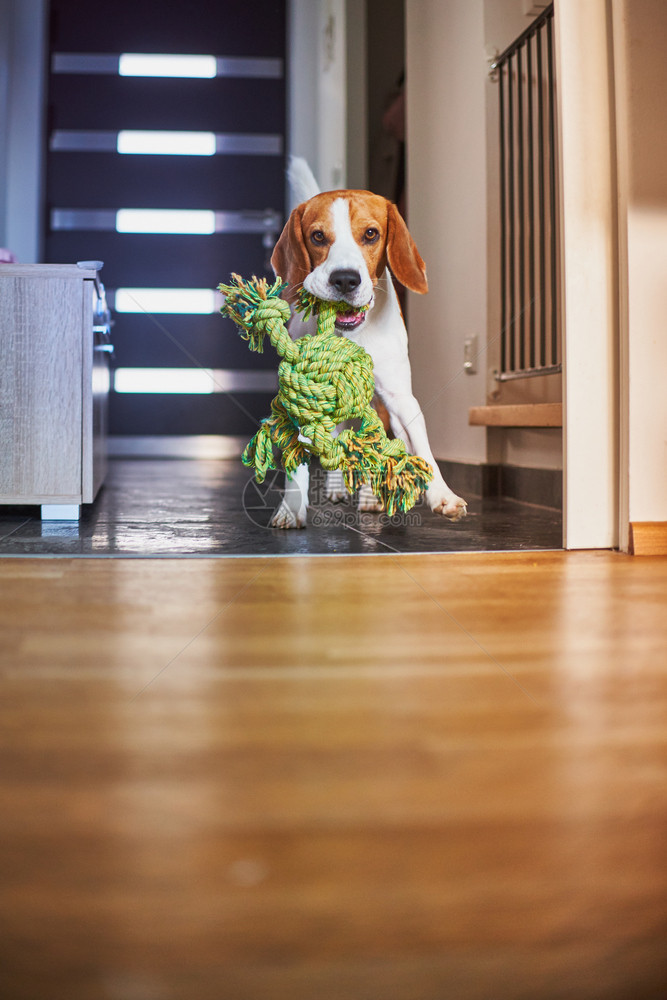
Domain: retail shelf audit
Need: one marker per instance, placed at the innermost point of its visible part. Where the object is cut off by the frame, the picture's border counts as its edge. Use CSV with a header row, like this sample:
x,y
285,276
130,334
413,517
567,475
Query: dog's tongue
x,y
349,320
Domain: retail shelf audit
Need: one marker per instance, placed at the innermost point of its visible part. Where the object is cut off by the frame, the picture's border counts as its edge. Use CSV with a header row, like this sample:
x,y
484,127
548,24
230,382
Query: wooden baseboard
x,y
517,415
648,538
543,487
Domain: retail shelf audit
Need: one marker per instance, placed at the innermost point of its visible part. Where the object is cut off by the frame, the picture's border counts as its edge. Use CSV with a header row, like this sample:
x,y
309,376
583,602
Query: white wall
x,y
22,46
453,211
640,30
303,32
446,171
327,89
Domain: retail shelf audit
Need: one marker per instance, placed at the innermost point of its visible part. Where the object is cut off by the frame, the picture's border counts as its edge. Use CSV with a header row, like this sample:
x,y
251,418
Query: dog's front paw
x,y
334,487
447,504
367,501
285,517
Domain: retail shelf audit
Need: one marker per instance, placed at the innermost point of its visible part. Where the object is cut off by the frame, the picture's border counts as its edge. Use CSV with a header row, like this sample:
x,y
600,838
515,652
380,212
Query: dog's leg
x,y
385,338
367,501
334,484
407,422
334,487
293,509
336,491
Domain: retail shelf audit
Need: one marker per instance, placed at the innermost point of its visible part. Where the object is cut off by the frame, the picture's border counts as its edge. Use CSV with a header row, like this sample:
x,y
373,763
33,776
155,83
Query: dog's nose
x,y
345,281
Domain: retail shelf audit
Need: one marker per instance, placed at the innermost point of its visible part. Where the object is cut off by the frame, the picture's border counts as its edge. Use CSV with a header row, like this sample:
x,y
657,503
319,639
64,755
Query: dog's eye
x,y
371,235
318,237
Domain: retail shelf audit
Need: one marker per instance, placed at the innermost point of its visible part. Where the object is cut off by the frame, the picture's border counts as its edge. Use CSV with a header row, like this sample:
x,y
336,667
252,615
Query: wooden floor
x,y
377,778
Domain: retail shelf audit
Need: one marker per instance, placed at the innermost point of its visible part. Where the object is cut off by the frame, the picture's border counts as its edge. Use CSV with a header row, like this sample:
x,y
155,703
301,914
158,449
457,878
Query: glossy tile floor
x,y
170,507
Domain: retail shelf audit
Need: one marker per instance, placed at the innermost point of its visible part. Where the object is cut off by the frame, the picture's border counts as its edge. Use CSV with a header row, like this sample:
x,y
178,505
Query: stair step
x,y
517,415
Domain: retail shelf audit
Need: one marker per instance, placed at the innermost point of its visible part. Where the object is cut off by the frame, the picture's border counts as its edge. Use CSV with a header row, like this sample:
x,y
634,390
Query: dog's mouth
x,y
346,321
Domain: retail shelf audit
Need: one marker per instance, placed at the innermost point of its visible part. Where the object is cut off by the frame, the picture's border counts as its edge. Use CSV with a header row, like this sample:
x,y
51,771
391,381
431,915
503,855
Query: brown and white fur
x,y
345,246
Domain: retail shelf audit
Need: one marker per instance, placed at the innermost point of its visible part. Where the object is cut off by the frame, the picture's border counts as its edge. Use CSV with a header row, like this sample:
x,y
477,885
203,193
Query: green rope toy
x,y
322,381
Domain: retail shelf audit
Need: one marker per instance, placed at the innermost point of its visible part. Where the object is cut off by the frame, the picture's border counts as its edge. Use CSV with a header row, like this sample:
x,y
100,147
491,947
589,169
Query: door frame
x,y
590,286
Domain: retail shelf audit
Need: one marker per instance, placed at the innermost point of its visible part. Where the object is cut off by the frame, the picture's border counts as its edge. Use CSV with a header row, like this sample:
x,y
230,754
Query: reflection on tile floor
x,y
167,507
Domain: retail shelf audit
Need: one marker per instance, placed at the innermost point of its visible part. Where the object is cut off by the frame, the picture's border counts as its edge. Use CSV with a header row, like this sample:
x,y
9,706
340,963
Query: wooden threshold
x,y
517,415
648,538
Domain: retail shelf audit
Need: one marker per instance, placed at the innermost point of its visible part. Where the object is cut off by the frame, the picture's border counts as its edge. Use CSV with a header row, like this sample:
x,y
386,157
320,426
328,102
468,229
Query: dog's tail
x,y
302,180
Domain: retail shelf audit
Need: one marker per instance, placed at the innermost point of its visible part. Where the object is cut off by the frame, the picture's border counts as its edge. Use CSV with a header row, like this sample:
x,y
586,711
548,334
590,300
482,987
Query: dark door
x,y
140,147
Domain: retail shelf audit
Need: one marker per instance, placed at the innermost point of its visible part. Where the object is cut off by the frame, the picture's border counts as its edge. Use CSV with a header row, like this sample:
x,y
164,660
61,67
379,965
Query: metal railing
x,y
530,342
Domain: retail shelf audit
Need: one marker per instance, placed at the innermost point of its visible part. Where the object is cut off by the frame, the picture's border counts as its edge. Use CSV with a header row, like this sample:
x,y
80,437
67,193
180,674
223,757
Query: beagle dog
x,y
345,246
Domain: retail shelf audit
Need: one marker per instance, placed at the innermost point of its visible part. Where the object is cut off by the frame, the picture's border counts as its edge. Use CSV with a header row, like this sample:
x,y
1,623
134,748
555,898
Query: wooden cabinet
x,y
54,383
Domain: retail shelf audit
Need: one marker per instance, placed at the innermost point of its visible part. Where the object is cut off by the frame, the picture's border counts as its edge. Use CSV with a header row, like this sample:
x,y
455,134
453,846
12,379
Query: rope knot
x,y
323,380
258,311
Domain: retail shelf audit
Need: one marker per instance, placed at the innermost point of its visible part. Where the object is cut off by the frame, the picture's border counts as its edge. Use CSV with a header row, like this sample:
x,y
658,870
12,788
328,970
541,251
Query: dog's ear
x,y
290,260
402,254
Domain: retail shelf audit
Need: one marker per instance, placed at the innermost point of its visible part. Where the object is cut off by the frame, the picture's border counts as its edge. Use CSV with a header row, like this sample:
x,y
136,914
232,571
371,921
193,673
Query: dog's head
x,y
338,244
